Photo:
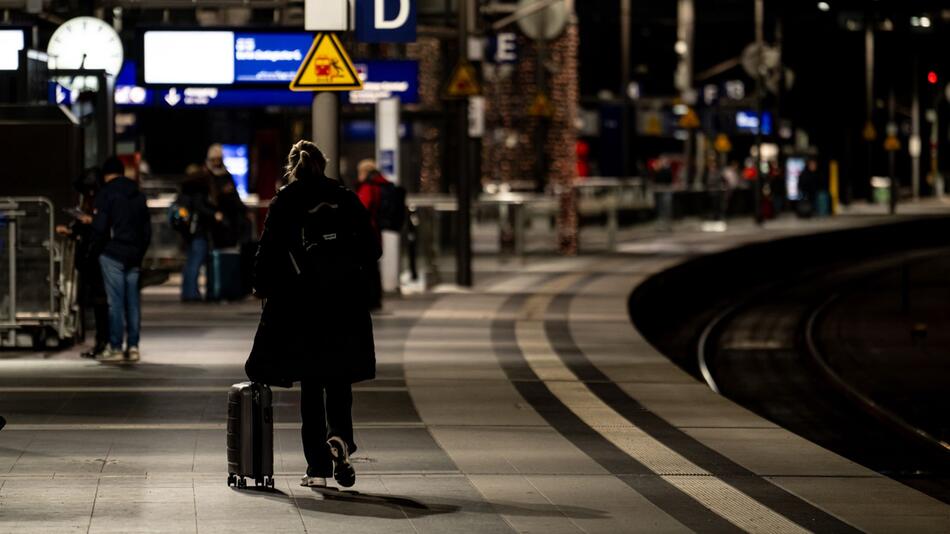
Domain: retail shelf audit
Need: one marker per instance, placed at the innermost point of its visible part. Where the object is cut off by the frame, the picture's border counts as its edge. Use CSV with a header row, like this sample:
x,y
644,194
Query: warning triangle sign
x,y
541,106
463,81
327,67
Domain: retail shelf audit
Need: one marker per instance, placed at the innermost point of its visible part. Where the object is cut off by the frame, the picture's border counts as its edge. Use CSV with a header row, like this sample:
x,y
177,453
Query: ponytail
x,y
304,162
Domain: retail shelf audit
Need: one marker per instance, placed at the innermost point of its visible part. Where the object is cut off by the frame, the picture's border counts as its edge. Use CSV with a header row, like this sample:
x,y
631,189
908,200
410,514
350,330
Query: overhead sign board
x,y
176,57
11,43
129,93
326,15
386,21
327,67
386,79
268,57
221,57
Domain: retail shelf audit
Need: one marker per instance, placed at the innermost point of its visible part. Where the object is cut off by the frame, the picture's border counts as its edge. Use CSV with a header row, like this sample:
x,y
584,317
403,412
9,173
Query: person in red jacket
x,y
369,189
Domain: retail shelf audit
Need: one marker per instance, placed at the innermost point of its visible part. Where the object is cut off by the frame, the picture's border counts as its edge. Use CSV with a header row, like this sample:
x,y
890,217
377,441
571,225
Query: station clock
x,y
85,42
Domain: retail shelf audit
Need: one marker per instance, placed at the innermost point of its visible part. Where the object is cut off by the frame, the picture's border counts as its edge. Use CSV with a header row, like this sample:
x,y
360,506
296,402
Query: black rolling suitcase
x,y
250,435
224,276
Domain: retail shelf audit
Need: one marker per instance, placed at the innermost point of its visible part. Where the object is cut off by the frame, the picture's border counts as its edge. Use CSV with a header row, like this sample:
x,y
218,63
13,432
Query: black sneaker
x,y
94,353
343,471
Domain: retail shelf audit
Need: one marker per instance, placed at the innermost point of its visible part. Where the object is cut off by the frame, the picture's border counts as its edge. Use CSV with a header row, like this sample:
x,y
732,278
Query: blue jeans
x,y
122,289
197,255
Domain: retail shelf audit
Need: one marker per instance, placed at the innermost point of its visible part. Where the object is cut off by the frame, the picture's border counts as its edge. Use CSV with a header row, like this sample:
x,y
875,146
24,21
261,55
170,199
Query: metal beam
x,y
525,11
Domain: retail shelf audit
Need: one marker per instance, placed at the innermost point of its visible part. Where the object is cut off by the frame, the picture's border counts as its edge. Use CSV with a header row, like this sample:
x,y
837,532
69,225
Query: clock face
x,y
85,42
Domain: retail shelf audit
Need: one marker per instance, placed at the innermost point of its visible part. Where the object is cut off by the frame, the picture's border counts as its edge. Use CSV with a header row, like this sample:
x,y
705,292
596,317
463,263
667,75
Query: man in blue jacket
x,y
122,232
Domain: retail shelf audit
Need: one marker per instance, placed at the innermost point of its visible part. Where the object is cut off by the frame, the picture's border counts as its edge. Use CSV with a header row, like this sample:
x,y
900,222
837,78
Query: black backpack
x,y
392,207
327,242
181,217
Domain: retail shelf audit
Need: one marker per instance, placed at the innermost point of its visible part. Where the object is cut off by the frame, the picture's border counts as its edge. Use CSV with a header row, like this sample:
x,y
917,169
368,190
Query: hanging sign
x,y
327,67
463,81
541,106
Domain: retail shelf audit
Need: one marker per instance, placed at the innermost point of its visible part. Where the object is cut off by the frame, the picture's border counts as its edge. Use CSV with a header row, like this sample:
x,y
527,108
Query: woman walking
x,y
316,327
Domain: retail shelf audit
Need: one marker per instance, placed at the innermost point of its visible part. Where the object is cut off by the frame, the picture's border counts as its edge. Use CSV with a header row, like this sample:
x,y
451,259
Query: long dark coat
x,y
308,331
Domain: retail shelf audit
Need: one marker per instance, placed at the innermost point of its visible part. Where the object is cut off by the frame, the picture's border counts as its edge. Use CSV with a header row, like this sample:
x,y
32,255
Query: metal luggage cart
x,y
38,277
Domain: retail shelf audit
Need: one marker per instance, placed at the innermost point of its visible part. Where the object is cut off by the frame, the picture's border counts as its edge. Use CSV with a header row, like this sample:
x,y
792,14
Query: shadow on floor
x,y
354,503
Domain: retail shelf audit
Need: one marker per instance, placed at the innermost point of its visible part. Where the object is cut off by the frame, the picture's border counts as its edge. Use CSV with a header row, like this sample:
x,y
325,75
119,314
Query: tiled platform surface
x,y
529,404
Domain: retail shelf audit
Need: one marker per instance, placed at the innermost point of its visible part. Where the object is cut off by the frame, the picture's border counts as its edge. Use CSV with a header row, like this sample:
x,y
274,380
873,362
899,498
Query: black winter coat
x,y
122,227
308,332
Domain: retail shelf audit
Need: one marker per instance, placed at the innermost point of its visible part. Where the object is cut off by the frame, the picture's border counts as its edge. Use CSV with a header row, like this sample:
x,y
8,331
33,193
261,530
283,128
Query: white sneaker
x,y
133,355
110,355
313,482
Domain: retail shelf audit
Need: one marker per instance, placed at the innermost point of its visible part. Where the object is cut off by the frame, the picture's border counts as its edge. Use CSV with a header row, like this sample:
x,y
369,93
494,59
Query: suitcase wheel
x,y
232,480
270,482
242,483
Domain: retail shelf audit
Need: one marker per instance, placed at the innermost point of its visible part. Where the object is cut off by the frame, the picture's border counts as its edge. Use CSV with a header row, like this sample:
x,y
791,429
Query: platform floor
x,y
529,404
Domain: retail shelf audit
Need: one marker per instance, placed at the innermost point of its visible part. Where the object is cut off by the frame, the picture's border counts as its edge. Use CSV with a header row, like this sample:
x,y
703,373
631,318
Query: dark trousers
x,y
374,287
92,291
325,411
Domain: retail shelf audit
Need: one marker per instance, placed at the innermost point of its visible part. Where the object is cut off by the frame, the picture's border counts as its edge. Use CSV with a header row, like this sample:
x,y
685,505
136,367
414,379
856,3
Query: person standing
x,y
369,189
228,231
91,289
194,199
315,327
121,234
808,185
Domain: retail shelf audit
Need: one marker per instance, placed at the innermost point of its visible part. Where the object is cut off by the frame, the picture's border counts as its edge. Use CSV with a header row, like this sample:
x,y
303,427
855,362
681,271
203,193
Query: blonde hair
x,y
366,165
305,160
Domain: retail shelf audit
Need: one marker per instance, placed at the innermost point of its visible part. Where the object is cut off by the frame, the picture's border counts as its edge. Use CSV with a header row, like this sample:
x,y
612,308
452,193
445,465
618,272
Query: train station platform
x,y
527,404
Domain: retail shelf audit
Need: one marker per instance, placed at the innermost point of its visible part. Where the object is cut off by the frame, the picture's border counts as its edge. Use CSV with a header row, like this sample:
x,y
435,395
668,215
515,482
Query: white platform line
x,y
176,426
713,493
168,389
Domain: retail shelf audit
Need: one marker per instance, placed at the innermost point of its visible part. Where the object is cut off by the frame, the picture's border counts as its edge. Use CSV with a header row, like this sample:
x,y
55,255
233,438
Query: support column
x,y
387,160
326,130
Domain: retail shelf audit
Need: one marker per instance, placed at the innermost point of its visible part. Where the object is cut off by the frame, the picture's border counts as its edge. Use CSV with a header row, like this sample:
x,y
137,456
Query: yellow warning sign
x,y
690,120
722,144
653,124
541,106
892,143
463,81
327,67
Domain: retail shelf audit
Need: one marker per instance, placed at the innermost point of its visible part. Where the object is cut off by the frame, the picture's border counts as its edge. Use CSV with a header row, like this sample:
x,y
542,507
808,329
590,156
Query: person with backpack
x,y
192,216
315,328
386,204
122,231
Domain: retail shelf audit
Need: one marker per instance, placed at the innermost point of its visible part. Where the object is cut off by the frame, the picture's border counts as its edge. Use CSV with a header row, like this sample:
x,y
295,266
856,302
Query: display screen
x,y
183,57
793,170
222,57
748,121
11,43
237,163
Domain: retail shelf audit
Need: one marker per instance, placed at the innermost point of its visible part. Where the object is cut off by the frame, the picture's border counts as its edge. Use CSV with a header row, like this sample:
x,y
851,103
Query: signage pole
x,y
463,248
760,50
387,162
326,130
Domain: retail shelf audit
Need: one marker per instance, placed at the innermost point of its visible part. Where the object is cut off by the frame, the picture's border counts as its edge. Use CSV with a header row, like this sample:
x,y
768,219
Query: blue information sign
x,y
127,93
269,57
386,79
